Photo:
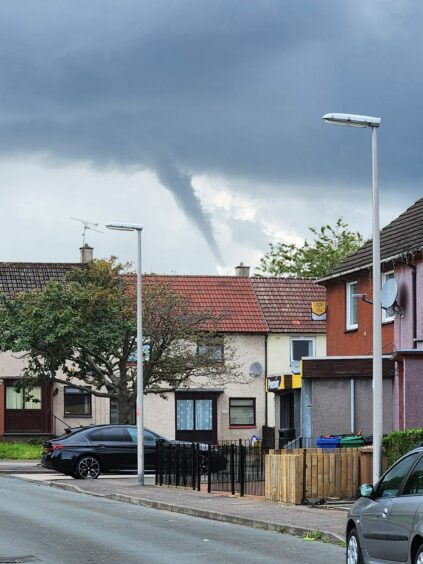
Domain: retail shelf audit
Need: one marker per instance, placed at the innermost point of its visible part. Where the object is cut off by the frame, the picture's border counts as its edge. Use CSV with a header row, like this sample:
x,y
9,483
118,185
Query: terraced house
x,y
340,384
266,323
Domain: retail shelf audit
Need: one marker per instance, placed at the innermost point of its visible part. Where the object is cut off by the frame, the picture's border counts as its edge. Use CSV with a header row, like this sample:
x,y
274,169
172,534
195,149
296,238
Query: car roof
x,y
89,428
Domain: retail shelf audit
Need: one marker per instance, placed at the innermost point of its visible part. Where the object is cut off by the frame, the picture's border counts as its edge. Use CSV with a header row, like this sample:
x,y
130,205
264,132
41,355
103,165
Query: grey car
x,y
386,523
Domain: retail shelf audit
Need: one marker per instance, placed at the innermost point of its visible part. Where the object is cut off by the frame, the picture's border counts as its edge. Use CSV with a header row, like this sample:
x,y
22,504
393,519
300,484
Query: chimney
x,y
241,270
86,253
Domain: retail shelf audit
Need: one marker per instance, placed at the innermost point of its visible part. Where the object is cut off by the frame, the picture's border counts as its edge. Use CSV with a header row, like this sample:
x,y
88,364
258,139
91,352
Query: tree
x,y
313,260
82,331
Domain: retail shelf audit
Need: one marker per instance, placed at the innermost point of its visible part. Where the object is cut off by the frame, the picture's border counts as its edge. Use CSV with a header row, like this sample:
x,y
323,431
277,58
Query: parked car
x,y
86,452
385,524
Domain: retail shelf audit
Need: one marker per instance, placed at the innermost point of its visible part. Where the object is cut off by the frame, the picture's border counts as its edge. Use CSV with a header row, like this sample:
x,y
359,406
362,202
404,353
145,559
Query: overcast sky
x,y
201,119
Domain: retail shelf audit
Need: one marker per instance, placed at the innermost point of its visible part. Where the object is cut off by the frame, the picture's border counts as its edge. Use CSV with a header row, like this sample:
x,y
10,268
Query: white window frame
x,y
349,325
385,317
301,338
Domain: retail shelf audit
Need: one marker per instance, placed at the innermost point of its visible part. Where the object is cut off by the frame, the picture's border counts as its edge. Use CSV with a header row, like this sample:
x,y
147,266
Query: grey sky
x,y
203,94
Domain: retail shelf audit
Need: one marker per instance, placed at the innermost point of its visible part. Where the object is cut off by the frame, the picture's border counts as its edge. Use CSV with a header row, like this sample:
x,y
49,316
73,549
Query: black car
x,y
88,451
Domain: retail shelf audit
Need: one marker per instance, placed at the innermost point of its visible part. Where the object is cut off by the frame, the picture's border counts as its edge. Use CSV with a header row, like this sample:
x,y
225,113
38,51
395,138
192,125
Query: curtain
x,y
35,394
14,399
203,415
185,415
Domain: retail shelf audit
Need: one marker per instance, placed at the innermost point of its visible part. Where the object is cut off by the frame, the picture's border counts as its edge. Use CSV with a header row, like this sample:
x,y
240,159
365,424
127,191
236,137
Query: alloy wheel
x,y
420,558
88,468
203,464
352,551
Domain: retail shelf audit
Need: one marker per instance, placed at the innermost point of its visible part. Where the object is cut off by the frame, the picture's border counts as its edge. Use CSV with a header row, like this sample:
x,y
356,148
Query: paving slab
x,y
253,512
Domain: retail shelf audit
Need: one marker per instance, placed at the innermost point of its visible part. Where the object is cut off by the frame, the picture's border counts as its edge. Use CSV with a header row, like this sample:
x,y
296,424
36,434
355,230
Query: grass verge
x,y
19,451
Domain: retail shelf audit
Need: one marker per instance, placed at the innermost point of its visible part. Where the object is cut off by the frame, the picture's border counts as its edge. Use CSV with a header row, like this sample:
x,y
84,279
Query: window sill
x,y
351,330
388,321
242,426
76,416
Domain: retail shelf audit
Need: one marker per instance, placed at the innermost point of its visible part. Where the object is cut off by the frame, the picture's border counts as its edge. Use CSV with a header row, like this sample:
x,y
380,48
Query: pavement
x,y
255,512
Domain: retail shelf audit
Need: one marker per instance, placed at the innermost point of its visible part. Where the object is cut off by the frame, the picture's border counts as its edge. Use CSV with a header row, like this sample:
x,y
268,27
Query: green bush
x,y
399,443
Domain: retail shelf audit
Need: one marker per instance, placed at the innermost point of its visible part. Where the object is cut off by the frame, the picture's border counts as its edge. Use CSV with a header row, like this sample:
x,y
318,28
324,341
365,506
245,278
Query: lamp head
x,y
120,226
352,120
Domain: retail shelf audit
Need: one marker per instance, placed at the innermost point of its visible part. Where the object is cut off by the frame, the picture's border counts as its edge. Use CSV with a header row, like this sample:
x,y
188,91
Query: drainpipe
x,y
265,381
352,406
414,298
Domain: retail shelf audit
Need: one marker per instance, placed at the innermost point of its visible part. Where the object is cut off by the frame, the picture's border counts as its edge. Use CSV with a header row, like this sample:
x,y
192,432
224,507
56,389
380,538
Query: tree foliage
x,y
315,259
83,331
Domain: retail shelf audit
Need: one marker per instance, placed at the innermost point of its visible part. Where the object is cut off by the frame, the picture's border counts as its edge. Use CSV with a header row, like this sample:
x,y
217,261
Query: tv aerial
x,y
88,225
389,296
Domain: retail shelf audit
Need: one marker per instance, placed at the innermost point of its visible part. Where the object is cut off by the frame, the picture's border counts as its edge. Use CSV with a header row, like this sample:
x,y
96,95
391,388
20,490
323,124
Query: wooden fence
x,y
293,476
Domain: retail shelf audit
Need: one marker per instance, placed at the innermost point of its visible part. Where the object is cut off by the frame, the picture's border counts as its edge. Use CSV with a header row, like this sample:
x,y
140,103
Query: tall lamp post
x,y
373,123
140,376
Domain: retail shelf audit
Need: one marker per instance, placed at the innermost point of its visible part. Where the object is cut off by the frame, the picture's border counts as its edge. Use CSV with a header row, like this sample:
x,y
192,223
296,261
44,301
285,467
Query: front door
x,y
196,417
27,411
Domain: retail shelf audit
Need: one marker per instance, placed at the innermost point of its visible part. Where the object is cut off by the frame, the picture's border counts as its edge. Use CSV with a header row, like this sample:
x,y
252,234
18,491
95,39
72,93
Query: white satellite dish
x,y
389,293
256,369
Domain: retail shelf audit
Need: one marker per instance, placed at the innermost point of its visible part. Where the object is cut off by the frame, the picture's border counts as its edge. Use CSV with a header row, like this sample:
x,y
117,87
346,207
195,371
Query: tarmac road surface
x,y
42,524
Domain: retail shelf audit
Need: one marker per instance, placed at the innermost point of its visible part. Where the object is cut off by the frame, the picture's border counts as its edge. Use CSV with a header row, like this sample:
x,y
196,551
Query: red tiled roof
x,y
286,304
230,297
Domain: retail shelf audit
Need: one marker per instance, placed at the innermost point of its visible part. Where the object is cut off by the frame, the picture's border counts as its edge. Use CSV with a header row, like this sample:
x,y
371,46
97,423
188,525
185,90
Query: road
x,y
54,526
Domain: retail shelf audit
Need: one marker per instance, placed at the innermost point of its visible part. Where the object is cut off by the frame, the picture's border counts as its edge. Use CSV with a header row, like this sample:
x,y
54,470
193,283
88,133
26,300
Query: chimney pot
x,y
87,253
242,270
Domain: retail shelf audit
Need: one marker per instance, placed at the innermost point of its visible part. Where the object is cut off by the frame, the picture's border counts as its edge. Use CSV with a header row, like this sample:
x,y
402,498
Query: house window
x,y
242,412
77,402
386,318
352,305
29,398
211,346
300,348
194,415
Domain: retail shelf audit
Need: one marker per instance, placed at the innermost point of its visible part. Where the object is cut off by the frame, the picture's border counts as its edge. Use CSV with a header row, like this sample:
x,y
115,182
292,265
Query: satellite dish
x,y
256,370
389,293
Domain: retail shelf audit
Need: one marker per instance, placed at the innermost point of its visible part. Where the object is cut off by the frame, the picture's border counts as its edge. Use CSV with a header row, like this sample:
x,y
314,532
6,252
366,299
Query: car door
x,y
402,514
149,448
111,446
374,516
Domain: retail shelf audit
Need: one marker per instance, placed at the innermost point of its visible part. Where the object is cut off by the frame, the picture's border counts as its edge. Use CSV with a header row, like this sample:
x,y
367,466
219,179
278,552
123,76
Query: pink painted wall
x,y
404,326
413,392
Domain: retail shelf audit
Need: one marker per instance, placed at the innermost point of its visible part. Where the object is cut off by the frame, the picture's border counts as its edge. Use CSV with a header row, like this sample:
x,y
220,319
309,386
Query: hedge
x,y
399,443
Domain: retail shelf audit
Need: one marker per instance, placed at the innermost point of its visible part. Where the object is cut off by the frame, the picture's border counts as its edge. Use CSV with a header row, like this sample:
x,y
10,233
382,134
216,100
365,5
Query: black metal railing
x,y
233,467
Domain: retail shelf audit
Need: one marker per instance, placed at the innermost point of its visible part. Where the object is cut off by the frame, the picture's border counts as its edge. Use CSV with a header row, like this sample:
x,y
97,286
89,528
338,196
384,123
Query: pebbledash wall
x,y
159,413
279,363
11,367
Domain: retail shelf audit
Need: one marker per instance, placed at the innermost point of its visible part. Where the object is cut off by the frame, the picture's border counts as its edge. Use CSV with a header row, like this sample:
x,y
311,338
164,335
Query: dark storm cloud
x,y
234,88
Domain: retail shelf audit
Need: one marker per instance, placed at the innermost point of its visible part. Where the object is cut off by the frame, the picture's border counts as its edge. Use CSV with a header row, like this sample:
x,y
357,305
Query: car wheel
x,y
353,548
419,556
203,464
87,467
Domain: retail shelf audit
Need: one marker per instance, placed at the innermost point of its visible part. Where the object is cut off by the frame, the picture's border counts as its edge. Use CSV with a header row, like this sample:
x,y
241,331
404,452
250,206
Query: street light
x,y
140,377
373,123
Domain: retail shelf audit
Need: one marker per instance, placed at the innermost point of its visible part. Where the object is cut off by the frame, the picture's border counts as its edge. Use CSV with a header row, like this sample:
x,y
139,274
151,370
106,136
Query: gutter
x,y
366,266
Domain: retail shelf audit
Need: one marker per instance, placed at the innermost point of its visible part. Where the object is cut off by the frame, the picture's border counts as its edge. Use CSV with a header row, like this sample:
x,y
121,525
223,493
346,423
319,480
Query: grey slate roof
x,y
18,277
402,237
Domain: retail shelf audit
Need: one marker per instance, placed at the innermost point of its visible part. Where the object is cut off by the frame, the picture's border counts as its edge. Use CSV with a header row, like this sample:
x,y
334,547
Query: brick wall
x,y
342,342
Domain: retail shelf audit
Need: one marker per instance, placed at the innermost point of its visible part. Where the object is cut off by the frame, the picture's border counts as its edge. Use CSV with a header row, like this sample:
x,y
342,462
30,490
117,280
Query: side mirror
x,y
366,490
